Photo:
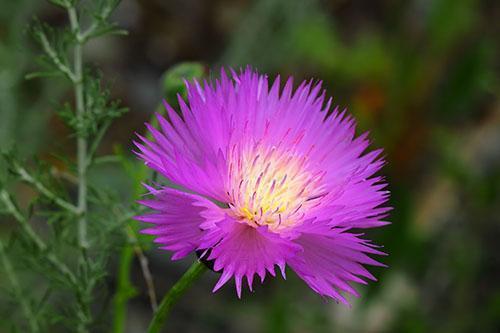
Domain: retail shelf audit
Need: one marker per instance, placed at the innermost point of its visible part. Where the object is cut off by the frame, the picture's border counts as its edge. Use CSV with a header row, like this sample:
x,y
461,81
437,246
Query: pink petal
x,y
177,220
331,260
240,250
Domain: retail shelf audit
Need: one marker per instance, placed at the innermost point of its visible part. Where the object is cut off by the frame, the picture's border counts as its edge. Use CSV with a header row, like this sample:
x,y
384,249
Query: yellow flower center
x,y
270,186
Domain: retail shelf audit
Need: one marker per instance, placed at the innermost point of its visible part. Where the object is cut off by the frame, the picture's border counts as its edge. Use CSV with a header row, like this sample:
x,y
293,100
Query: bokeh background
x,y
420,75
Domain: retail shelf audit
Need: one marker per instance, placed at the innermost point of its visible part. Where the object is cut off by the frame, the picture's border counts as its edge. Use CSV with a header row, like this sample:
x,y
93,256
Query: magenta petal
x,y
291,178
177,220
331,260
240,250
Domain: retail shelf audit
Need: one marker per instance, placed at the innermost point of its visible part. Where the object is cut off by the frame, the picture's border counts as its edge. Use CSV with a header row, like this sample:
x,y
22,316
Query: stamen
x,y
255,160
272,187
283,180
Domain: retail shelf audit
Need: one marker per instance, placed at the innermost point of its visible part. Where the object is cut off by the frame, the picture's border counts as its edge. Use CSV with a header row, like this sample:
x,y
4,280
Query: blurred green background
x,y
420,75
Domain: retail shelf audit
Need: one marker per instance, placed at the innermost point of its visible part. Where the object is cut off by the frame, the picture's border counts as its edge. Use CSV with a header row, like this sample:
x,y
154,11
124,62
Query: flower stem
x,y
81,141
171,297
84,295
146,273
44,190
125,289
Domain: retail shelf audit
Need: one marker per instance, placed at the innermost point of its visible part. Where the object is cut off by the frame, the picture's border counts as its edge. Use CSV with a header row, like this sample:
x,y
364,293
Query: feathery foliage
x,y
66,233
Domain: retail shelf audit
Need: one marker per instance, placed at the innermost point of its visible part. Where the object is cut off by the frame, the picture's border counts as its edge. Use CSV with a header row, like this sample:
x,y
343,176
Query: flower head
x,y
267,177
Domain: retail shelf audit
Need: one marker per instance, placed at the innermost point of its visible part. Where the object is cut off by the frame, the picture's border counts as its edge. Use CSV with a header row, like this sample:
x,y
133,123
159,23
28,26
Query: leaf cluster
x,y
44,238
100,109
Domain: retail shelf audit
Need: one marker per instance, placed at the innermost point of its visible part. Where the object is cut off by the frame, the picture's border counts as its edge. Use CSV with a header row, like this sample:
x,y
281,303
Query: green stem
x,y
45,191
51,52
125,289
95,144
171,297
143,261
85,293
107,159
81,141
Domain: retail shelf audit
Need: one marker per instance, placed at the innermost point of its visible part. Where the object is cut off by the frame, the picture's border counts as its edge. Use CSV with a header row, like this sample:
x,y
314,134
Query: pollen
x,y
271,187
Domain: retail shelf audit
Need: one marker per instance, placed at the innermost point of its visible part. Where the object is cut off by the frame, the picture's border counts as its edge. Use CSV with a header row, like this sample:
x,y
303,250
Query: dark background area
x,y
420,75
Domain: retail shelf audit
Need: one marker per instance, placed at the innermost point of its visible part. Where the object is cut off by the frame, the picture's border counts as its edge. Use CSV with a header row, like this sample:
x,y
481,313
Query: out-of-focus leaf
x,y
62,3
448,21
316,42
39,74
173,79
467,80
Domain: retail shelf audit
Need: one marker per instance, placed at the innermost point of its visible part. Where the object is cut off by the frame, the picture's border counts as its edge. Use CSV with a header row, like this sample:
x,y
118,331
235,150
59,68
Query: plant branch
x,y
143,261
55,58
179,288
39,243
23,173
94,26
14,211
16,289
81,141
95,143
84,295
107,159
125,289
56,173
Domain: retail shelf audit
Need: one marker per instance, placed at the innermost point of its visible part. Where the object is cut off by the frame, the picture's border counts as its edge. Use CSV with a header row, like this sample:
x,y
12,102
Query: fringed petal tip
x,y
325,172
177,219
241,251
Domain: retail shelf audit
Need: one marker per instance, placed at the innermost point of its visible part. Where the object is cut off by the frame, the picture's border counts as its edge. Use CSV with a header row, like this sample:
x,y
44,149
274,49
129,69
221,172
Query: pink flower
x,y
267,178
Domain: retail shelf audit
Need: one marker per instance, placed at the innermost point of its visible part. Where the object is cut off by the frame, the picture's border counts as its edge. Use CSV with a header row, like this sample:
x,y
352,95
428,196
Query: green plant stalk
x,y
45,191
85,293
81,141
55,58
95,144
126,256
16,289
143,262
120,306
125,289
124,285
171,297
